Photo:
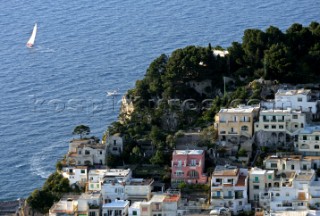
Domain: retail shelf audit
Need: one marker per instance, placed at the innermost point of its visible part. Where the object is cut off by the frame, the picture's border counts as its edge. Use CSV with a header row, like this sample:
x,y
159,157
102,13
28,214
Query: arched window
x,y
244,128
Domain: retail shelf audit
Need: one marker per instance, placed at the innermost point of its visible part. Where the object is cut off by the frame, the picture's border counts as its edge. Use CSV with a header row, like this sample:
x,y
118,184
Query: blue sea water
x,y
85,48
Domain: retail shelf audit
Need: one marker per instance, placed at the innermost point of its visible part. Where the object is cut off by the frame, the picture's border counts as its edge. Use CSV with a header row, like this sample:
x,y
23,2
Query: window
x,y
101,152
256,179
117,212
83,171
273,127
292,167
266,126
304,137
240,203
218,180
244,128
317,138
230,180
256,197
280,126
179,163
287,194
277,194
295,116
114,142
273,165
269,176
299,99
92,214
134,213
193,162
256,187
316,147
79,152
114,149
87,152
179,173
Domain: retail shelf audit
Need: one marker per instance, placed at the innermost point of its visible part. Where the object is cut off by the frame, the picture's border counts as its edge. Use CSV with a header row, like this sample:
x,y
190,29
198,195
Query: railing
x,y
232,132
228,197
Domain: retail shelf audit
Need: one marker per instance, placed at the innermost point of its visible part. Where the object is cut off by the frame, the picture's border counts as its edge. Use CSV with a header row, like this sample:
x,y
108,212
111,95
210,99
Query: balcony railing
x,y
228,197
232,132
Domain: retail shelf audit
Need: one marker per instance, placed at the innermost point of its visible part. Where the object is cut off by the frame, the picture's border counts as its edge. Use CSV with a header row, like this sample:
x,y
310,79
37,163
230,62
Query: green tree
x,y
81,130
158,158
41,200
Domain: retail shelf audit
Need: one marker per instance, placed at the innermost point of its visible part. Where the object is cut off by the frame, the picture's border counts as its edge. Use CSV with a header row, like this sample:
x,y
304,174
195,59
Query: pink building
x,y
188,166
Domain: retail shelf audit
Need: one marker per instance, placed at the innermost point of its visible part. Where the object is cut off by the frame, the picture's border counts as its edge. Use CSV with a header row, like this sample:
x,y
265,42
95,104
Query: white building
x,y
76,175
229,188
275,124
86,152
84,204
308,142
301,99
291,162
116,208
159,204
96,178
115,144
114,181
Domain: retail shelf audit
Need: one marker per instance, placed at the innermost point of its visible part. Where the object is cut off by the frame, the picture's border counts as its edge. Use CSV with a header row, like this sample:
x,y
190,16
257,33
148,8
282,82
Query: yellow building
x,y
236,124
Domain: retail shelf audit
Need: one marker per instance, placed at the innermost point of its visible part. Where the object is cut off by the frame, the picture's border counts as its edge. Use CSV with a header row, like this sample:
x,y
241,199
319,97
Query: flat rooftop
x,y
304,176
117,172
240,109
116,204
225,171
284,92
139,181
188,152
310,130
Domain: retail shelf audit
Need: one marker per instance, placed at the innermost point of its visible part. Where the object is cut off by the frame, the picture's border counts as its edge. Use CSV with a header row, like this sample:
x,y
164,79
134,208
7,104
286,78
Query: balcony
x,y
216,197
231,132
228,197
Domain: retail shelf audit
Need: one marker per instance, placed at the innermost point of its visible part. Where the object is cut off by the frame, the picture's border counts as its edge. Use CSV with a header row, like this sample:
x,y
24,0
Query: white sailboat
x,y
32,38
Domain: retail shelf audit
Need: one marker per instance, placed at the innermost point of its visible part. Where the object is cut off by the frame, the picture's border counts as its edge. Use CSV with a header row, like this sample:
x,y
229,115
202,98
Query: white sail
x,y
30,42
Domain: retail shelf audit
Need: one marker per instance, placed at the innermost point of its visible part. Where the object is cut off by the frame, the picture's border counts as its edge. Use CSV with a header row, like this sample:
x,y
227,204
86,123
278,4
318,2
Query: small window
x,y
134,213
101,152
114,142
83,171
299,99
317,137
295,116
269,176
316,147
304,137
273,127
292,167
277,194
280,126
256,187
266,126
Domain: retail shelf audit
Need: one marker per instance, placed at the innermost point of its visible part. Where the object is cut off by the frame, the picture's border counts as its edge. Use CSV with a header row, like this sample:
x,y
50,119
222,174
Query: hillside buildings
x,y
188,166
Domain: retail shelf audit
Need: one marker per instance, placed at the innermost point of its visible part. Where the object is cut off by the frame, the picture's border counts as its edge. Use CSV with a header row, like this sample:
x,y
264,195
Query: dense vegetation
x,y
55,186
292,56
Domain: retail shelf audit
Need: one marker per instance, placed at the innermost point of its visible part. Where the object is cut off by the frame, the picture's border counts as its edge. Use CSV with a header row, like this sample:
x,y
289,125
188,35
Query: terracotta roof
x,y
226,172
241,181
172,198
